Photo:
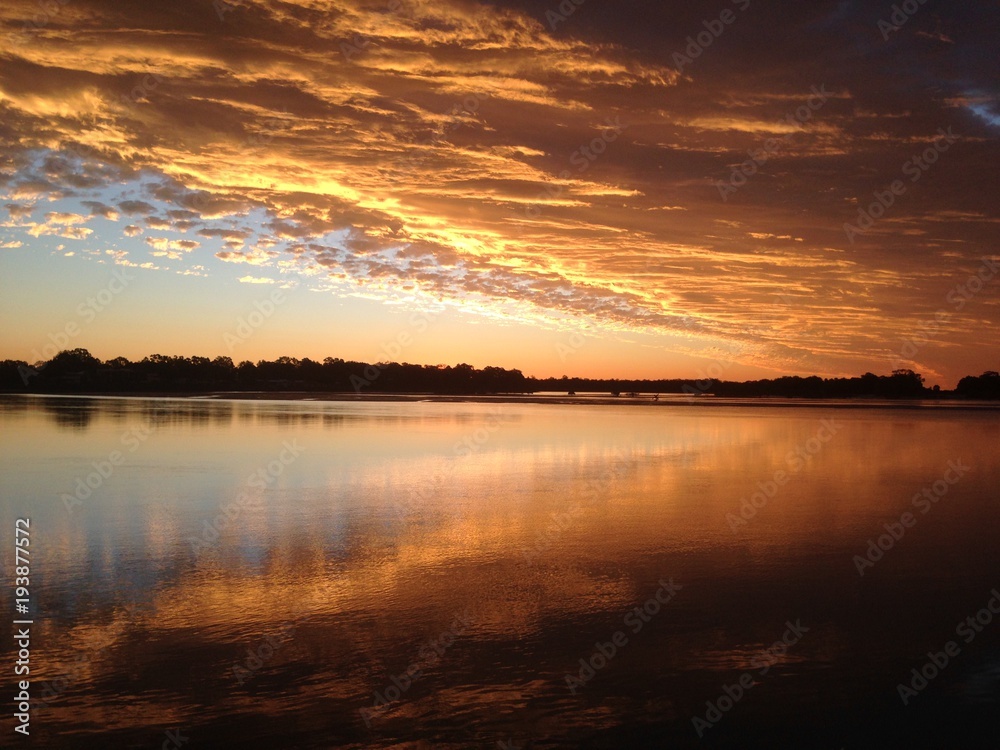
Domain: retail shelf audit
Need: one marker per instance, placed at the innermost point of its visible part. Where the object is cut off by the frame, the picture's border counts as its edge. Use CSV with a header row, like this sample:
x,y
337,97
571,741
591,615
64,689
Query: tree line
x,y
77,371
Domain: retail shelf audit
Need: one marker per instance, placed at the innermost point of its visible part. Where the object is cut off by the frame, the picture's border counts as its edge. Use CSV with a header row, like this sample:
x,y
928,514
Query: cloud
x,y
463,151
254,257
168,248
255,280
133,207
61,224
19,211
100,209
70,233
148,265
65,219
235,239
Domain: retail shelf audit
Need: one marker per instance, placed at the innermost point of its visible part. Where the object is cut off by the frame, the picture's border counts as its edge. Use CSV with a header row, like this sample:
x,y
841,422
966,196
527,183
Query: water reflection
x,y
278,618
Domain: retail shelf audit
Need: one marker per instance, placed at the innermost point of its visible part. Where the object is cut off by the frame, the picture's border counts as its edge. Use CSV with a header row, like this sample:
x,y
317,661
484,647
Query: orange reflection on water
x,y
393,519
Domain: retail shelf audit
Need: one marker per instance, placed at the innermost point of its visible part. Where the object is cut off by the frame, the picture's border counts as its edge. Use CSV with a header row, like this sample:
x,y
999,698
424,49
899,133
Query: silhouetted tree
x,y
72,361
76,370
986,386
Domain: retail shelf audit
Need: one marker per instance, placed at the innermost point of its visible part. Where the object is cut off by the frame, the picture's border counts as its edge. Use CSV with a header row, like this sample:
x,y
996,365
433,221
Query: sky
x,y
744,188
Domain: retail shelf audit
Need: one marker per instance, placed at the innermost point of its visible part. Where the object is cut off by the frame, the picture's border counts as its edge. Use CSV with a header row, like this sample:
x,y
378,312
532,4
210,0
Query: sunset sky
x,y
505,183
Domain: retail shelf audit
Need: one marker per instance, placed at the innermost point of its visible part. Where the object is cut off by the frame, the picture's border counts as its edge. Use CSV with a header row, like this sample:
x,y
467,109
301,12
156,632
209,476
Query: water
x,y
264,573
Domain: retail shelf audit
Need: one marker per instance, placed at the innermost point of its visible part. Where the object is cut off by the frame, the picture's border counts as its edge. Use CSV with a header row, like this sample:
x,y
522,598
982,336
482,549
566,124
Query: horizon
x,y
719,367
506,183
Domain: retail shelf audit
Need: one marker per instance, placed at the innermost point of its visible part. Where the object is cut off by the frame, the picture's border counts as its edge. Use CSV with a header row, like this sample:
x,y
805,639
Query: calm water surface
x,y
388,575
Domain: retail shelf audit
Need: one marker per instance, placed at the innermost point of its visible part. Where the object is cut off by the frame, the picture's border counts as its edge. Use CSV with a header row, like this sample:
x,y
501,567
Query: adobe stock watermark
x,y
961,294
54,688
88,310
247,325
47,10
393,348
86,657
741,174
222,7
936,662
468,445
707,376
86,486
761,663
574,344
914,168
582,159
174,740
563,519
635,620
901,14
256,658
696,45
455,118
796,460
429,654
261,479
358,43
141,90
923,501
562,12
263,132
958,296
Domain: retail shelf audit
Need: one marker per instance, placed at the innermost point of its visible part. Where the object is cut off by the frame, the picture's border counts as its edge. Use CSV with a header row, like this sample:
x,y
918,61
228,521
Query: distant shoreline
x,y
78,371
665,400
